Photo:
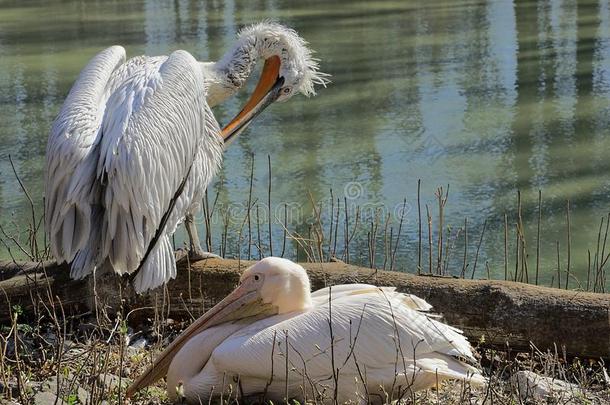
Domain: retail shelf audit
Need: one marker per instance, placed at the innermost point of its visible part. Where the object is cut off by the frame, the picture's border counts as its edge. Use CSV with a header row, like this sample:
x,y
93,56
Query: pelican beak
x,y
266,92
243,304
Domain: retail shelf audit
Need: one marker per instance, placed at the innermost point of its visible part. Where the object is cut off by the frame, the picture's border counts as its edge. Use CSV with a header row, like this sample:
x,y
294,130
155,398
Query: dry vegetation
x,y
83,362
48,357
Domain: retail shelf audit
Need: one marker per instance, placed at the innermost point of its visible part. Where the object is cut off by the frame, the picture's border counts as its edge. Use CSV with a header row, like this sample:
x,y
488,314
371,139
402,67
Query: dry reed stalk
x,y
464,264
249,207
402,217
569,241
336,227
538,234
269,206
332,224
419,233
476,257
558,267
429,239
33,237
259,245
442,201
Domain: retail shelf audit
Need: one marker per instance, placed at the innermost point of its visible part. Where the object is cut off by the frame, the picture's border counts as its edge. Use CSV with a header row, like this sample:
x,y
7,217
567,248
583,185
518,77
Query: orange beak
x,y
243,304
266,92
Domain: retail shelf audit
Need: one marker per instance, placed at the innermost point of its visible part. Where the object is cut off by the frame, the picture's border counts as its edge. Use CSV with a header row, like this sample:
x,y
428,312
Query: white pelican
x,y
135,145
272,337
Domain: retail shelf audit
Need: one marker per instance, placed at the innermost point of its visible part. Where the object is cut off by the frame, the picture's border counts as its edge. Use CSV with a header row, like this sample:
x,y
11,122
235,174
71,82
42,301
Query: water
x,y
487,96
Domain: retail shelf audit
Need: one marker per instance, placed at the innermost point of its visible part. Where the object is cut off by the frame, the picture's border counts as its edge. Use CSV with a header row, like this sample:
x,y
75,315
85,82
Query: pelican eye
x,y
257,277
286,90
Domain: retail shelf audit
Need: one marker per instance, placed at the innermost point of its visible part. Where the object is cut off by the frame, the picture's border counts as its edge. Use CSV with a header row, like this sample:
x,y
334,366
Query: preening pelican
x,y
271,335
136,144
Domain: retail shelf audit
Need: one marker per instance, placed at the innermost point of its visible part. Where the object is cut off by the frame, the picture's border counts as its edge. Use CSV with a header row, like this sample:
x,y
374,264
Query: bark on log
x,y
502,312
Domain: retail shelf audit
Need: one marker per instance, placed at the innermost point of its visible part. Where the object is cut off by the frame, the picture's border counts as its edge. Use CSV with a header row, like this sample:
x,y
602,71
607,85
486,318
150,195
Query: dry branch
x,y
499,311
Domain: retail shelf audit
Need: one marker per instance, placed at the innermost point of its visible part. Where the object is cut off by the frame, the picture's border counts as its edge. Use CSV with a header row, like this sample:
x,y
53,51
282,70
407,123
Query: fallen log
x,y
492,313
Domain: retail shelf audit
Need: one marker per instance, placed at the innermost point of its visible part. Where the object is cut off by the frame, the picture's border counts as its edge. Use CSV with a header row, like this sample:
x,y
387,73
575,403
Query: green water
x,y
487,96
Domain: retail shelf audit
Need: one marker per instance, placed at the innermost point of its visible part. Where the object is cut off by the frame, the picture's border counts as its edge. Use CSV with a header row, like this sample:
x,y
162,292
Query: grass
x,y
91,358
85,362
373,235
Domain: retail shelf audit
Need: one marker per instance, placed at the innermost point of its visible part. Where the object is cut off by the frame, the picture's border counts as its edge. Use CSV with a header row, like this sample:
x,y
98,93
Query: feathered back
x,y
133,149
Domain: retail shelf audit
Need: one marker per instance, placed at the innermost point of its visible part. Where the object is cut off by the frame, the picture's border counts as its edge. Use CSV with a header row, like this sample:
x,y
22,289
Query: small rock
x,y
50,338
540,388
68,344
67,387
125,372
50,384
74,351
139,343
111,381
47,398
11,386
130,351
83,395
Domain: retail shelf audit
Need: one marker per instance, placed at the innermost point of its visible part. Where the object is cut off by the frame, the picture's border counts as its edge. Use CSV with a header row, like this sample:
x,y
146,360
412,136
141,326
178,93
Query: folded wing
x,y
72,159
374,329
146,148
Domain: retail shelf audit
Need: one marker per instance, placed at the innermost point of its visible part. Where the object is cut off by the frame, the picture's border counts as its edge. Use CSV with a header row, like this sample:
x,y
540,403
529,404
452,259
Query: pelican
x,y
136,144
271,337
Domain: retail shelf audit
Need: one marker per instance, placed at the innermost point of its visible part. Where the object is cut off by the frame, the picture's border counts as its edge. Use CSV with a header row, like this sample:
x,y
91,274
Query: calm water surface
x,y
487,96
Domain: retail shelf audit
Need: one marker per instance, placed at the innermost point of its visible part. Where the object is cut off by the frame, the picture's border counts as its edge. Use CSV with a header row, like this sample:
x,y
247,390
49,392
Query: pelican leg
x,y
195,250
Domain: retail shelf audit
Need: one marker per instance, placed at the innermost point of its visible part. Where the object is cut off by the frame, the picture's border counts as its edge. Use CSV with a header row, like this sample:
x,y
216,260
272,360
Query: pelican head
x,y
271,286
281,283
297,67
289,69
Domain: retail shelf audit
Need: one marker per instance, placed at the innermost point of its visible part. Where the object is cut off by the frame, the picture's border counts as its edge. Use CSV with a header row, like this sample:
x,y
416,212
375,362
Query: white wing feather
x,y
156,129
71,162
386,330
125,140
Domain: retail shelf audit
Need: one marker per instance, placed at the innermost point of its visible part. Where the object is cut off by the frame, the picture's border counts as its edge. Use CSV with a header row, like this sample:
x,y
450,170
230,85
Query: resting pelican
x,y
136,144
272,336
